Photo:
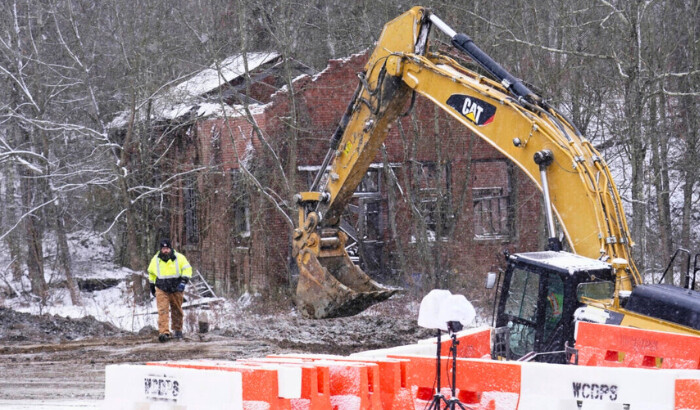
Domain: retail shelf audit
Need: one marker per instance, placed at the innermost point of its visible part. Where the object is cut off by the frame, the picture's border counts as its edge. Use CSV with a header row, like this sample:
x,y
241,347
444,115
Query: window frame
x,y
423,196
503,213
240,205
190,204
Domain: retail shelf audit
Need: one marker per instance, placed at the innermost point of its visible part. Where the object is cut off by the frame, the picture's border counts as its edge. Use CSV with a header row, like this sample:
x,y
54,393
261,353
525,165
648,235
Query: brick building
x,y
437,202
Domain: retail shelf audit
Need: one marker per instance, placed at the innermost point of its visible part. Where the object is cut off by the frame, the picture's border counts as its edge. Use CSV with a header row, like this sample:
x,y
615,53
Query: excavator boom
x,y
502,111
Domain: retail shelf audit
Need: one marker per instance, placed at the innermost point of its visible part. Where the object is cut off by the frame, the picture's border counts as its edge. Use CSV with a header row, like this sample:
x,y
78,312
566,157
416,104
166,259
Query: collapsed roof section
x,y
219,90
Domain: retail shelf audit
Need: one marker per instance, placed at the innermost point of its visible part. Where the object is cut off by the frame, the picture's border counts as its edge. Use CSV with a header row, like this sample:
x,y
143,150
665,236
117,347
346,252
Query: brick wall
x,y
261,260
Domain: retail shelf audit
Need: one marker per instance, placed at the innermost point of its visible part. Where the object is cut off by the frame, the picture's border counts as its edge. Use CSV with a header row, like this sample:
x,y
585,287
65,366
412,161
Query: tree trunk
x,y
33,232
133,256
634,109
10,217
690,164
64,260
661,187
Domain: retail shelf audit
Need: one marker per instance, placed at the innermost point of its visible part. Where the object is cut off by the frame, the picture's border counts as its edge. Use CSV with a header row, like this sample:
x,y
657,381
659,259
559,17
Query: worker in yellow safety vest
x,y
168,274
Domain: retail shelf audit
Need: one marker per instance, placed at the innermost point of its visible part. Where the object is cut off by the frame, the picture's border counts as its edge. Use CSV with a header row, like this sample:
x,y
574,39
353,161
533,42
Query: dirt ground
x,y
49,357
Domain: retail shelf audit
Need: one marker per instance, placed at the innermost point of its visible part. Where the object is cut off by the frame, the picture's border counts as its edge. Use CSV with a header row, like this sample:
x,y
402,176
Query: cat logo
x,y
475,110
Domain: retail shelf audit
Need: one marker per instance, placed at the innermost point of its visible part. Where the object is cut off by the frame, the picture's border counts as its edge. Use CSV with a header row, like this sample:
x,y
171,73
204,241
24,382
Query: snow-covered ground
x,y
92,260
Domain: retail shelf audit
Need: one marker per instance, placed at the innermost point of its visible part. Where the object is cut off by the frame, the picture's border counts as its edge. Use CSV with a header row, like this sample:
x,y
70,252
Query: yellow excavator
x,y
540,291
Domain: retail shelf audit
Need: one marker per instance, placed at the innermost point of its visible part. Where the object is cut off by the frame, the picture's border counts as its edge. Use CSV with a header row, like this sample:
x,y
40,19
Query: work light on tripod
x,y
443,311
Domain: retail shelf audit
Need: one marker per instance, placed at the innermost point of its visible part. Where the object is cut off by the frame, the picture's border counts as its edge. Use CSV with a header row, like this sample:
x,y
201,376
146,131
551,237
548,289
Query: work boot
x,y
163,337
178,334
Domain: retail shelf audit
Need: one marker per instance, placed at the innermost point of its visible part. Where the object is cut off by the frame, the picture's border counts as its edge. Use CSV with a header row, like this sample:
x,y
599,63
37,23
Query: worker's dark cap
x,y
165,243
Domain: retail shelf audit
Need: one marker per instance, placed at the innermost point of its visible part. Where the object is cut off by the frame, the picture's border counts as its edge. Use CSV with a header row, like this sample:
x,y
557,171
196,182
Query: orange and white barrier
x,y
473,343
380,380
555,387
486,384
388,382
352,384
263,386
481,384
618,346
140,387
315,386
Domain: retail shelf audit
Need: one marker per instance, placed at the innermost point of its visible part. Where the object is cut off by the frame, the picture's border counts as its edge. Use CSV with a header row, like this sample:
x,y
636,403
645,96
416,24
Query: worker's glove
x,y
181,286
153,289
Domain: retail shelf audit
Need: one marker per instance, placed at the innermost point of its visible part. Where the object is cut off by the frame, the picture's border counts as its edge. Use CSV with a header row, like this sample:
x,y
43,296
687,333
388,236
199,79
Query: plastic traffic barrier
x,y
319,382
473,343
687,394
272,384
618,346
353,385
129,386
482,384
556,387
487,384
315,383
393,389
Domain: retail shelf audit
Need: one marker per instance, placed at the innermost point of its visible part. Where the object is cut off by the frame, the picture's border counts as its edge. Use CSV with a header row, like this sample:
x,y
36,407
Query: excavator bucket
x,y
335,288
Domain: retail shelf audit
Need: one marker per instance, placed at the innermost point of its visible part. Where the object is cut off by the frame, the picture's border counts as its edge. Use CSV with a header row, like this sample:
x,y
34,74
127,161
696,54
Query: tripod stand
x,y
454,401
439,398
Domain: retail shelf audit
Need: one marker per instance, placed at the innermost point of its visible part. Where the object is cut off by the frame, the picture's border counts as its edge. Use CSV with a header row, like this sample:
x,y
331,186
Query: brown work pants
x,y
169,307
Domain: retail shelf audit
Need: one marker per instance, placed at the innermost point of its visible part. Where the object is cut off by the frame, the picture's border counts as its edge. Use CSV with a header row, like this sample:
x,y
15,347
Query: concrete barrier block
x,y
141,387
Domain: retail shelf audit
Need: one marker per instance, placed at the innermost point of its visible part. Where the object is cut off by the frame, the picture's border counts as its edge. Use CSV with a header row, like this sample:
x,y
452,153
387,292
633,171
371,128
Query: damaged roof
x,y
190,96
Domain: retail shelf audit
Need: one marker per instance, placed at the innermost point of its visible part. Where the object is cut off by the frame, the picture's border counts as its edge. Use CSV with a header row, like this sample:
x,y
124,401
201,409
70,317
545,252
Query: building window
x,y
241,217
362,219
491,199
215,157
432,196
371,220
241,206
369,183
190,197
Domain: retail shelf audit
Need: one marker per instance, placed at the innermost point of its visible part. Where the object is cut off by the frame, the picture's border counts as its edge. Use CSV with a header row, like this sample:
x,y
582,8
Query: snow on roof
x,y
214,77
186,96
564,261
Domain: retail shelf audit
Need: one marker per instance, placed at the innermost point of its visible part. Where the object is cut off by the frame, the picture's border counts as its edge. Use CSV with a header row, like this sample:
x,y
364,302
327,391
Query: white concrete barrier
x,y
159,388
288,376
564,387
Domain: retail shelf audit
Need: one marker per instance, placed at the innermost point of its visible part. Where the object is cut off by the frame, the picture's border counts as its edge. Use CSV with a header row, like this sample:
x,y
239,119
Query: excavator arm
x,y
502,111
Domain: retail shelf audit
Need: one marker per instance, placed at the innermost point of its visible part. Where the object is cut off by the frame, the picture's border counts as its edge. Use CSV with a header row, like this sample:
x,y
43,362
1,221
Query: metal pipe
x,y
548,204
463,42
442,26
544,158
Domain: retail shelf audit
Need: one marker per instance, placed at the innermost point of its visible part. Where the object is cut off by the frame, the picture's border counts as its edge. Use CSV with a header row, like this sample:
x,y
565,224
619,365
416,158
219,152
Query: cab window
x,y
522,299
554,304
521,307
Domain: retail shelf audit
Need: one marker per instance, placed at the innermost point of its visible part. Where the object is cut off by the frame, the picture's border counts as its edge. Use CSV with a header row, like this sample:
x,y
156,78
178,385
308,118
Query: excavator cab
x,y
539,296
